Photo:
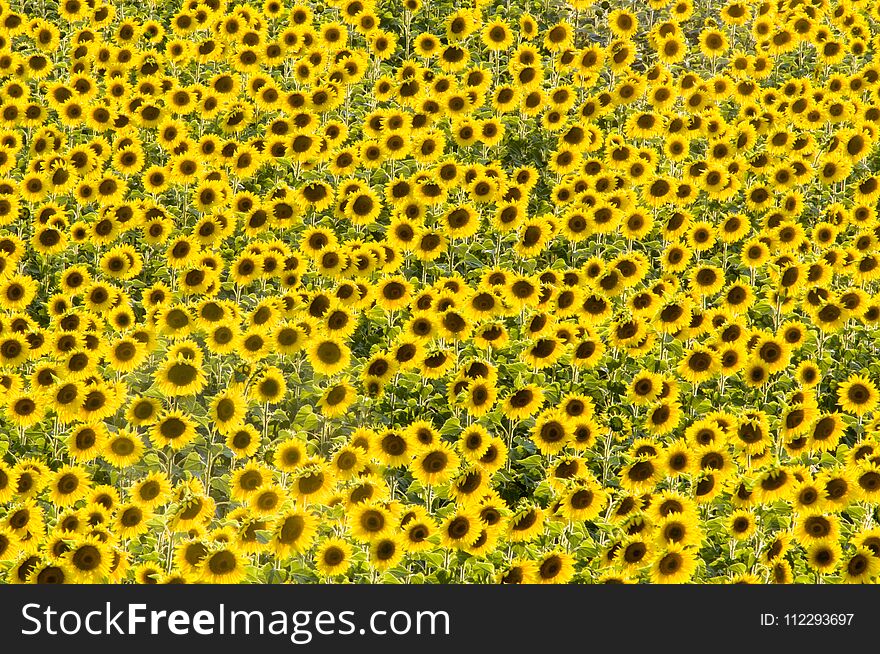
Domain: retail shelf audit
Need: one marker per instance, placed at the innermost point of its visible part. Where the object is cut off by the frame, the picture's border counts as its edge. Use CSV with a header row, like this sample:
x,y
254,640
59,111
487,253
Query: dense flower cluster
x,y
378,290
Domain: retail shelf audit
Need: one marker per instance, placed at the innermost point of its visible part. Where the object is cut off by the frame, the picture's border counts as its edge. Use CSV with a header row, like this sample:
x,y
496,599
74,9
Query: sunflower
x,y
223,565
244,441
663,417
838,488
755,374
248,479
87,441
741,524
699,364
313,483
823,556
523,402
143,411
387,552
333,557
867,479
674,564
555,567
370,522
173,429
131,520
679,528
773,353
152,491
380,367
773,483
392,447
583,502
194,509
417,527
550,433
88,559
270,387
436,464
123,449
644,388
24,409
336,399
147,573
461,529
7,489
180,376
227,409
294,532
519,571
68,485
328,356
678,458
189,554
497,35
67,400
349,461
421,432
267,501
861,567
289,455
858,395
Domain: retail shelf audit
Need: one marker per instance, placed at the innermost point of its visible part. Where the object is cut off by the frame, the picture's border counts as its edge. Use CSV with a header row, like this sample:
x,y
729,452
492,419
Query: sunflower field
x,y
394,291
